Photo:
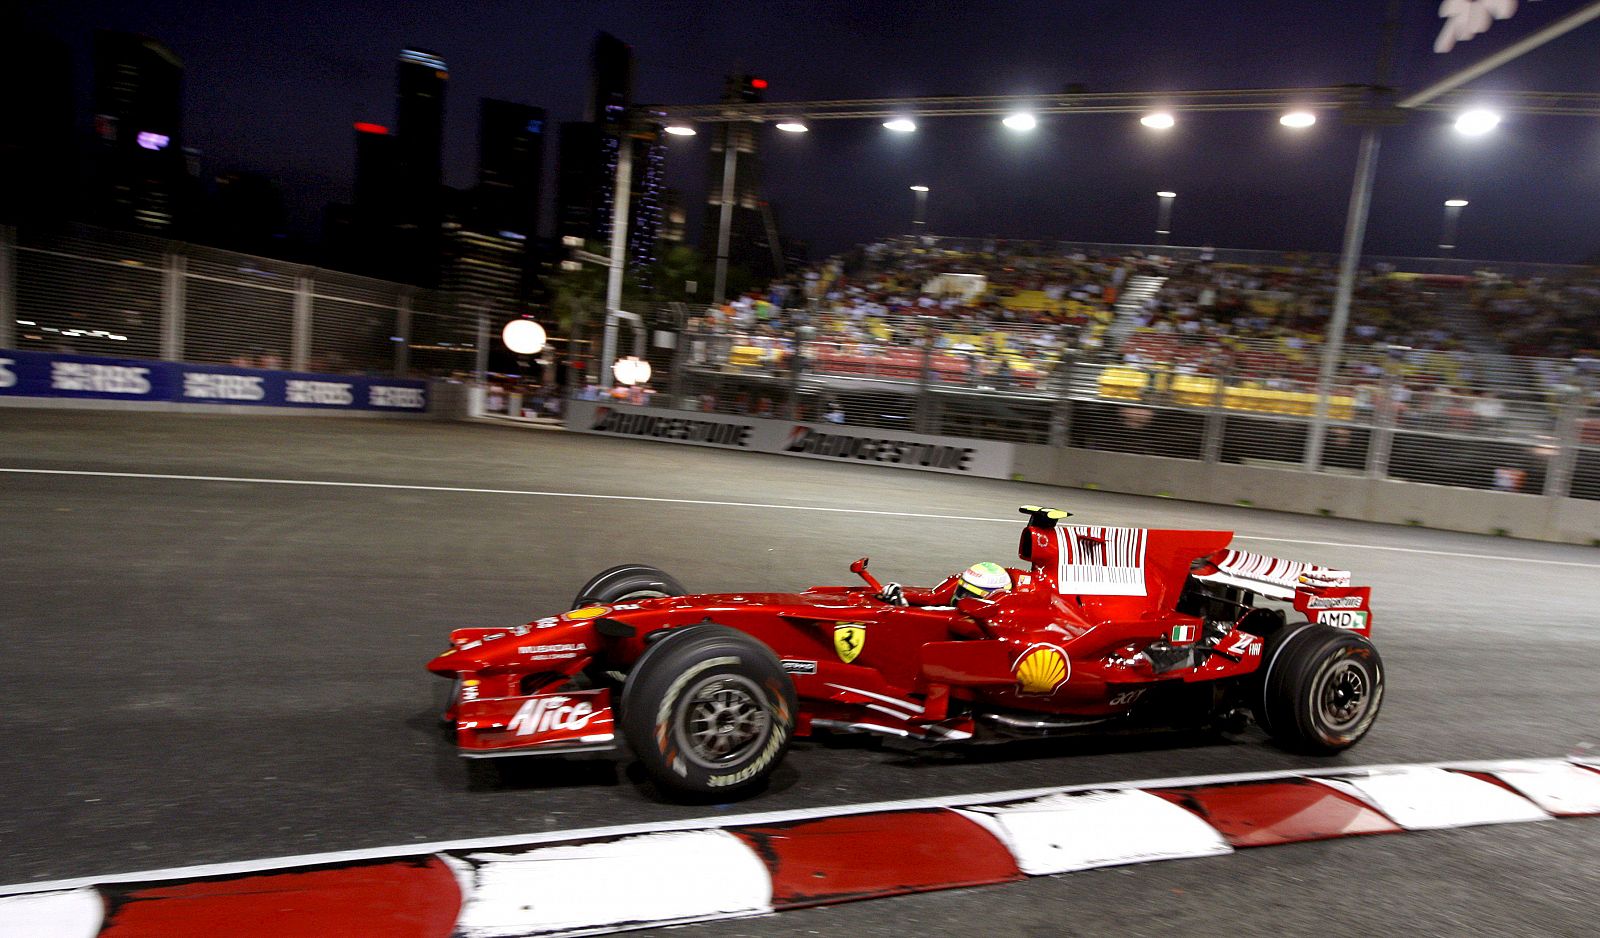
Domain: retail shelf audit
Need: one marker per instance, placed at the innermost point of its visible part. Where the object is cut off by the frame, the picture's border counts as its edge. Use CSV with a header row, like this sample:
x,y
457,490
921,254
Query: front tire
x,y
1320,688
626,582
709,712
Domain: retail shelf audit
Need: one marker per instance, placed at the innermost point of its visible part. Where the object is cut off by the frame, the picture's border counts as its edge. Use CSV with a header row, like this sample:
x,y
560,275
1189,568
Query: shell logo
x,y
1041,669
587,612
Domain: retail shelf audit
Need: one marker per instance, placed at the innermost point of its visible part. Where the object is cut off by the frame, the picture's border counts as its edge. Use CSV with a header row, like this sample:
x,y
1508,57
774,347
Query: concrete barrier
x,y
1446,508
455,400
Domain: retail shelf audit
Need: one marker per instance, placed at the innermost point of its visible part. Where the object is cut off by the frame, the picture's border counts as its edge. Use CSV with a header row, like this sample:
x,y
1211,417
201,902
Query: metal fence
x,y
1244,257
1447,418
1452,418
96,292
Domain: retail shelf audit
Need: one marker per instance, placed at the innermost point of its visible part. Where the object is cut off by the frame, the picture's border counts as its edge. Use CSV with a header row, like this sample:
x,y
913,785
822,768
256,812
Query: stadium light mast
x,y
1355,231
1164,198
730,163
621,191
1452,220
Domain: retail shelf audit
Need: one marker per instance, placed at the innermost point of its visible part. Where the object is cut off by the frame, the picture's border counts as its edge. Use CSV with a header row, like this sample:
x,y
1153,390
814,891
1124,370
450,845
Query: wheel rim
x,y
722,721
1345,696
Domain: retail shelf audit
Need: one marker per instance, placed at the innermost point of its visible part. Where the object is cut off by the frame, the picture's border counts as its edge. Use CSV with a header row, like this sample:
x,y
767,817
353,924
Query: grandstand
x,y
1192,353
1009,311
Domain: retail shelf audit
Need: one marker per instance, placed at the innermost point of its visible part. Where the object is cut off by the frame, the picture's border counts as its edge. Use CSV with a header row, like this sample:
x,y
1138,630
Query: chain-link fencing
x,y
96,292
1448,418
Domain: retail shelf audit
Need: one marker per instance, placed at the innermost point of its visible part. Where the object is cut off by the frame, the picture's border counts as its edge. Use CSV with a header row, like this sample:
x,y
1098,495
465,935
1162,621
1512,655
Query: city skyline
x,y
1086,179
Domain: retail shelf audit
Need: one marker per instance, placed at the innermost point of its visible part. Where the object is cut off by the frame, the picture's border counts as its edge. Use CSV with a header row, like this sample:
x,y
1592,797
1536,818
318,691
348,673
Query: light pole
x,y
919,219
1452,219
730,163
1164,215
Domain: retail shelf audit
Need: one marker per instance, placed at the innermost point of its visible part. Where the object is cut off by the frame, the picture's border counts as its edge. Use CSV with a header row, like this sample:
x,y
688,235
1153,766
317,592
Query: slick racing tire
x,y
1320,688
625,582
709,712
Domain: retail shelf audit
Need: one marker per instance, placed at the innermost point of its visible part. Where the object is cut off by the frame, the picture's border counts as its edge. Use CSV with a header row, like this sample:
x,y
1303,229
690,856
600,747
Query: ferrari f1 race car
x,y
1104,628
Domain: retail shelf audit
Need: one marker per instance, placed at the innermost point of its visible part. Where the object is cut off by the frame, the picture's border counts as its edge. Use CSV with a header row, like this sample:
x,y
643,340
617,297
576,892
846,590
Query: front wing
x,y
556,723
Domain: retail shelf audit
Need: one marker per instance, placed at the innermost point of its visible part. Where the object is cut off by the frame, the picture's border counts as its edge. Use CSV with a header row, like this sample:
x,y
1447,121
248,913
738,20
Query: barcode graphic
x,y
1102,561
1261,567
1242,563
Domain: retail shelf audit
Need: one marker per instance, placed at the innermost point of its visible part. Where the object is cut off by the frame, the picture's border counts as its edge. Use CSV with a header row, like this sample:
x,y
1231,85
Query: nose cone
x,y
537,646
447,664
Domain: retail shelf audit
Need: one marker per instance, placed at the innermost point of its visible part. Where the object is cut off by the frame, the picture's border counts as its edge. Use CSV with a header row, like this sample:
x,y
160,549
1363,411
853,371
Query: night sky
x,y
274,87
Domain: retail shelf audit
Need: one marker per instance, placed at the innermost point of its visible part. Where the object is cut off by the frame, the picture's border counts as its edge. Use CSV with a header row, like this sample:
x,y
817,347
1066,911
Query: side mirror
x,y
859,568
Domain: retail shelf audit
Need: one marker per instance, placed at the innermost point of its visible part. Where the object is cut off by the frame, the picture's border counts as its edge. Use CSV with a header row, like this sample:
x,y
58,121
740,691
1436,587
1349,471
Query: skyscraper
x,y
586,172
421,77
510,167
361,236
752,227
376,155
674,218
610,80
138,161
38,164
582,188
488,262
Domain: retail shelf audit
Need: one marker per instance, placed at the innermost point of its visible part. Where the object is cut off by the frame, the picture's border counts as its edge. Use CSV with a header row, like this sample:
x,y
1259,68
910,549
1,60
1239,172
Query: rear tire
x,y
625,582
709,712
1320,688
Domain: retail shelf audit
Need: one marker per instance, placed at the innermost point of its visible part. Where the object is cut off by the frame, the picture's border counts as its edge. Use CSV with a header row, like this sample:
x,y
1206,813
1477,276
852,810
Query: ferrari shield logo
x,y
848,638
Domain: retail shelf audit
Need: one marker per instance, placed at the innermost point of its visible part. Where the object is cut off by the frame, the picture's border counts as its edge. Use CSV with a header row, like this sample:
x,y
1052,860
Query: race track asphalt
x,y
201,671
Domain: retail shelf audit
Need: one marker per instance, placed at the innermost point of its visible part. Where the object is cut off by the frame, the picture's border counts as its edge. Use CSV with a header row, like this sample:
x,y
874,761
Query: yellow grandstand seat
x,y
1123,383
746,356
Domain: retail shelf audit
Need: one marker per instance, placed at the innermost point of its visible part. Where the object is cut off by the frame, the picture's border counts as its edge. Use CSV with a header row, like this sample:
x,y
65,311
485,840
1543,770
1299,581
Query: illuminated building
x,y
38,159
674,218
753,232
375,174
139,164
587,162
510,167
421,78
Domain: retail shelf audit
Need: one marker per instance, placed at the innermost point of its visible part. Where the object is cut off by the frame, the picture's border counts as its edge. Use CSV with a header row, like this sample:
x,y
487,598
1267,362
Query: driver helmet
x,y
984,580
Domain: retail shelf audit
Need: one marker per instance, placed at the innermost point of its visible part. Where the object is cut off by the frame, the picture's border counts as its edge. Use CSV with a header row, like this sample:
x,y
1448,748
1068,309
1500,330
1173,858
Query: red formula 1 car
x,y
1104,627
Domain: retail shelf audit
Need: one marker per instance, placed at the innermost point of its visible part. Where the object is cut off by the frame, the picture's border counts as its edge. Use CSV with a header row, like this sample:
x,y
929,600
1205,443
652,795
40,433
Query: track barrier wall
x,y
982,458
38,378
1388,501
1454,440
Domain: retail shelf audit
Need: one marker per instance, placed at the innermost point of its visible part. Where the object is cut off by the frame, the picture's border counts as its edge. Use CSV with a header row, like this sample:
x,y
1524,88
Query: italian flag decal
x,y
1182,634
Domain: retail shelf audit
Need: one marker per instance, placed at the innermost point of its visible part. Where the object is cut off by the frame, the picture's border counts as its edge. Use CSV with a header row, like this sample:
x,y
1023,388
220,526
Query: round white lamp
x,y
631,371
523,336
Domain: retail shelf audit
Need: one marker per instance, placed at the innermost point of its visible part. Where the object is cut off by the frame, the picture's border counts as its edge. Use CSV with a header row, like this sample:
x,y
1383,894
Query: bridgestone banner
x,y
786,437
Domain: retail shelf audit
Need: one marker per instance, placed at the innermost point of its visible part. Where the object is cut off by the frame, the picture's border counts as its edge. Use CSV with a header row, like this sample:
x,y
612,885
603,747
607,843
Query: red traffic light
x,y
758,82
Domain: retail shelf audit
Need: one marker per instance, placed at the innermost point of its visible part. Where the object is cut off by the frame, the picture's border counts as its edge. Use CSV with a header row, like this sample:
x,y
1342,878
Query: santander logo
x,y
542,714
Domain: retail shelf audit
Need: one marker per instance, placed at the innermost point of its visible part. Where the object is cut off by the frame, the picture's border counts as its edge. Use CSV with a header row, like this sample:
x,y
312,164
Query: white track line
x,y
739,820
538,493
478,491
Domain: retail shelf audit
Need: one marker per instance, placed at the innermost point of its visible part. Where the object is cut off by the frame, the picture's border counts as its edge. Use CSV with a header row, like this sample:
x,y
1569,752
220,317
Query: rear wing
x,y
1323,594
